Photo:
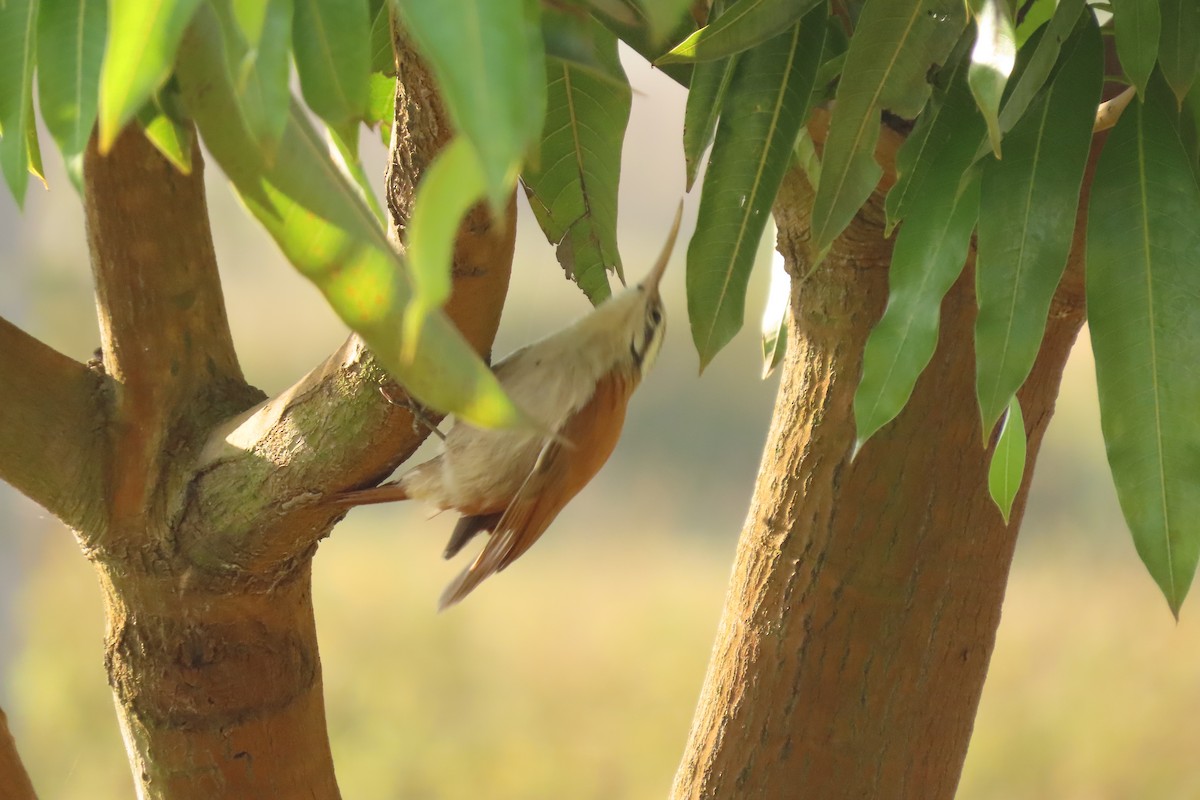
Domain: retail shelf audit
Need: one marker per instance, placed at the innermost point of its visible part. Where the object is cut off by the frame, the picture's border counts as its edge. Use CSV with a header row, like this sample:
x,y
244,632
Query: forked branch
x,y
334,429
164,333
51,427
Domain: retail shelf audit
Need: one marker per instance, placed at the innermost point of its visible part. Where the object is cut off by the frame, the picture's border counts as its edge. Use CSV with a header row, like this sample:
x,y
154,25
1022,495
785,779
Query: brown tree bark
x,y
14,780
866,593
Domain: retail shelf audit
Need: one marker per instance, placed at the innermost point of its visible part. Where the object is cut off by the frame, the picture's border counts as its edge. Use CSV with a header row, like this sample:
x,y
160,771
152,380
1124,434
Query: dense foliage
x,y
1003,107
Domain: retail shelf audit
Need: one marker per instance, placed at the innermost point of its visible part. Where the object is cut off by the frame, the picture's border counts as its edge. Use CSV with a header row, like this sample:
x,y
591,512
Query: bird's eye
x,y
655,316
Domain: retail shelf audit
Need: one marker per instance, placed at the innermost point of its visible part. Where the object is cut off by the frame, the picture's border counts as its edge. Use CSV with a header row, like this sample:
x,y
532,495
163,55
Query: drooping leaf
x,y
382,106
1179,45
345,156
70,49
488,59
805,156
705,98
330,236
930,252
1008,460
35,148
383,53
1143,245
706,95
170,136
634,30
18,42
572,186
767,103
143,36
331,43
1027,221
775,313
261,75
941,206
942,123
1031,73
450,186
743,25
1037,14
886,67
663,16
572,36
992,61
1137,24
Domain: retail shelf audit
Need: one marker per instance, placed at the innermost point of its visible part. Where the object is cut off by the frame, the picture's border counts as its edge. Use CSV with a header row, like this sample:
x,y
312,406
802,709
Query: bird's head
x,y
647,316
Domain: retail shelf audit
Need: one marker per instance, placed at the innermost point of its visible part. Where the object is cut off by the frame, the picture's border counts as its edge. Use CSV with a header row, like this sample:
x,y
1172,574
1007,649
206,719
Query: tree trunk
x,y
199,501
866,593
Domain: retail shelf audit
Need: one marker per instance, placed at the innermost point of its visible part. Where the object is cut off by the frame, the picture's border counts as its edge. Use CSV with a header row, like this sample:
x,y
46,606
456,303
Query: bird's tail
x,y
384,493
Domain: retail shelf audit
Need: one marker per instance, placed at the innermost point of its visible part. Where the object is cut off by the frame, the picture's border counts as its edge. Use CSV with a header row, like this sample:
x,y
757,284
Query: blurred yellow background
x,y
574,673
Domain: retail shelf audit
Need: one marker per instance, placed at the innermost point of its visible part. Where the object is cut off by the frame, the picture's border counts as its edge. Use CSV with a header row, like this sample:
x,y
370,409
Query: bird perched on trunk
x,y
513,483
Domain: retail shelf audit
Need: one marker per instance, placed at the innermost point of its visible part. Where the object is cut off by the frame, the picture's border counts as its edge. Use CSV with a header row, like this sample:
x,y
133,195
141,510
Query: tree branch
x,y
14,780
336,428
51,427
164,333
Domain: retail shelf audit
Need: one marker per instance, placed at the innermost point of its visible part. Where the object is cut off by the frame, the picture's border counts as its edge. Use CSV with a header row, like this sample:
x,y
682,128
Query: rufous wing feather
x,y
564,465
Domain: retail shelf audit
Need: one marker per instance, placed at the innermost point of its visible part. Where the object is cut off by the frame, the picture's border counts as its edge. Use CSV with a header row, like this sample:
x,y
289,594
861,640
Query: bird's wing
x,y
565,464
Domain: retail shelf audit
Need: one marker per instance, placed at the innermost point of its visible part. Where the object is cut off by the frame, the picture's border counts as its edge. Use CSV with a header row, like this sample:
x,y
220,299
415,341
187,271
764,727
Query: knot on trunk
x,y
191,675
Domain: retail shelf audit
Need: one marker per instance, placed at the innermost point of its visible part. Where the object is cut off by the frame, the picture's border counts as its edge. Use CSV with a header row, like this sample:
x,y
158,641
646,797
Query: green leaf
x,y
1027,221
992,61
1031,73
383,52
705,98
329,235
70,50
930,252
18,41
804,155
331,43
765,107
743,25
1143,245
663,16
345,155
1179,46
171,137
1137,24
1008,460
35,149
941,206
572,187
942,123
263,29
451,185
706,94
886,67
382,105
489,62
1036,15
143,36
633,29
572,36
775,313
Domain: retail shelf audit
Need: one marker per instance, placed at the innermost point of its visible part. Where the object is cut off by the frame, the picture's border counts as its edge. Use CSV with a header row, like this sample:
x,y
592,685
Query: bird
x,y
576,384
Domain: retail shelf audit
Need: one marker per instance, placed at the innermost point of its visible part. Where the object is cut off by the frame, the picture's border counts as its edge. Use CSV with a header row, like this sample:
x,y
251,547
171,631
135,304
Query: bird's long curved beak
x,y
660,266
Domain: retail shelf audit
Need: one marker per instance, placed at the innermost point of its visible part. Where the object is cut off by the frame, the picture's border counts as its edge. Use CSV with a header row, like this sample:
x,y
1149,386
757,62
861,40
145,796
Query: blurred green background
x,y
574,674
